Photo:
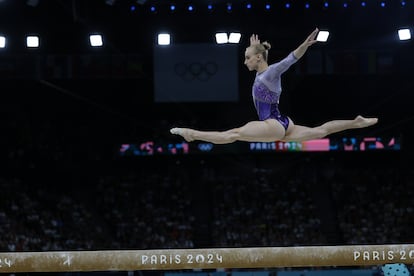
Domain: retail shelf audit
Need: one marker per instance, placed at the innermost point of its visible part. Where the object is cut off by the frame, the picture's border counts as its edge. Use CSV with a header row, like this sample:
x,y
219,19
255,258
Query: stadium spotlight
x,y
32,41
229,7
221,38
404,34
2,41
164,39
95,40
322,36
234,37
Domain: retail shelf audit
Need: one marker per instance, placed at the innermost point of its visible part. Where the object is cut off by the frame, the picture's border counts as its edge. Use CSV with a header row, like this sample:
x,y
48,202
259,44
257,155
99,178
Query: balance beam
x,y
207,258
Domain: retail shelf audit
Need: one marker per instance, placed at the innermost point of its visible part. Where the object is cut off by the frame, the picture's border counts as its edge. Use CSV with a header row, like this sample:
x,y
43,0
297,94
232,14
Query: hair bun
x,y
266,45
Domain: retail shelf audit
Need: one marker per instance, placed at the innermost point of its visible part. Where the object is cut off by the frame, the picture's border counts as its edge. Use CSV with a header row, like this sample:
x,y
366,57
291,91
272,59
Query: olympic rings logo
x,y
196,70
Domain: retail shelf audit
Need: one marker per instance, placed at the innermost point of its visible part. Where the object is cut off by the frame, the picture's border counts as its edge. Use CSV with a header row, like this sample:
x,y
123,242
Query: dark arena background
x,y
89,164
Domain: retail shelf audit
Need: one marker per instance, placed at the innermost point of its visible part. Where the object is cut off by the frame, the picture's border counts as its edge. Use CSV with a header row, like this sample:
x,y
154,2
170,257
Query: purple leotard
x,y
267,89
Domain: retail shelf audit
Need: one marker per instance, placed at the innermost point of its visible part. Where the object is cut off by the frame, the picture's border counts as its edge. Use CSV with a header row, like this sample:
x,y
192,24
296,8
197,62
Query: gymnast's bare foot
x,y
365,122
184,132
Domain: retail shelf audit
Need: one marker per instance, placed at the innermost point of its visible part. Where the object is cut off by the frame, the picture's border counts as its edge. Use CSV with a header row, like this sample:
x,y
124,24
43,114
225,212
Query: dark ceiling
x,y
64,25
68,22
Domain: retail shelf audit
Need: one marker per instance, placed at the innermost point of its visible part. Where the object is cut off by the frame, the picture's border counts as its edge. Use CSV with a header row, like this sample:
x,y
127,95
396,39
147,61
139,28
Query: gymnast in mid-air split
x,y
272,124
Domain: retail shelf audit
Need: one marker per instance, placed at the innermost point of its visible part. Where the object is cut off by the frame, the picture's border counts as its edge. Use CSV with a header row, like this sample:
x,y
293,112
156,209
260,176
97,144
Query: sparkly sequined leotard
x,y
267,89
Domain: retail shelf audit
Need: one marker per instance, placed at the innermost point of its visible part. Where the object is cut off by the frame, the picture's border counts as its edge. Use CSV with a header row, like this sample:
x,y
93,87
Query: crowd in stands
x,y
264,208
151,207
375,205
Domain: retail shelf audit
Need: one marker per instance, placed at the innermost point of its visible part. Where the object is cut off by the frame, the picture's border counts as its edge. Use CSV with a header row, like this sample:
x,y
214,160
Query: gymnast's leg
x,y
257,131
298,133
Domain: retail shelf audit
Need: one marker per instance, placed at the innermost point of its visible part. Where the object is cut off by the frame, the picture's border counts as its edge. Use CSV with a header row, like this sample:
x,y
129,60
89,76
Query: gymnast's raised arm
x,y
310,40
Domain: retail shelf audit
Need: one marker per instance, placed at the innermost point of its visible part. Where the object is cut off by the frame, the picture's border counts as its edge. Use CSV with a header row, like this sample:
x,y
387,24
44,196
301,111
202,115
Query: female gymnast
x,y
272,125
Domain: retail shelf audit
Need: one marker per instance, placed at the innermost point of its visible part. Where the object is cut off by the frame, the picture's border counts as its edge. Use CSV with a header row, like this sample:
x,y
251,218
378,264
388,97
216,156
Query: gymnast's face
x,y
251,59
